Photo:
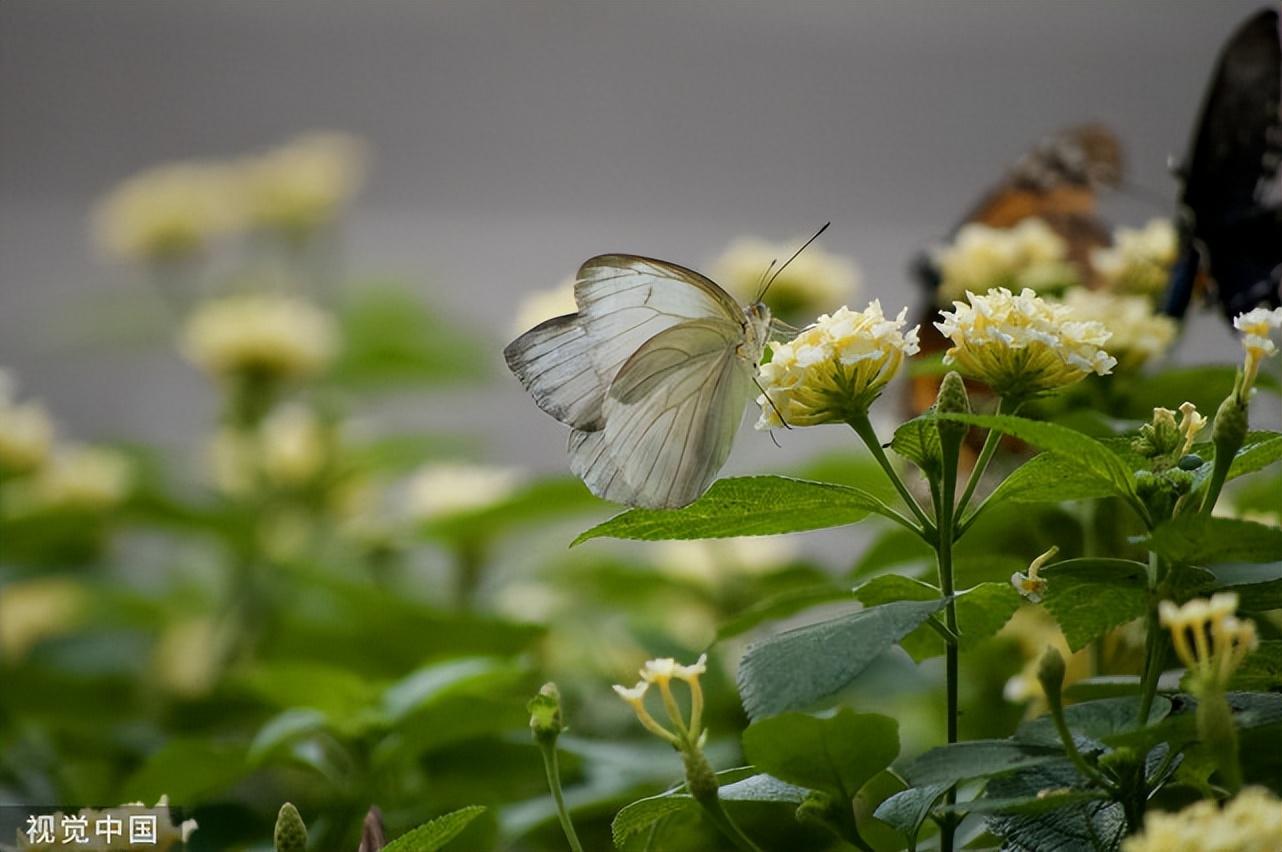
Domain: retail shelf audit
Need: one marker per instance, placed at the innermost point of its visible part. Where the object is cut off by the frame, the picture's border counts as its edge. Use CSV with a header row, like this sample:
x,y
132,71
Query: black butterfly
x,y
1230,214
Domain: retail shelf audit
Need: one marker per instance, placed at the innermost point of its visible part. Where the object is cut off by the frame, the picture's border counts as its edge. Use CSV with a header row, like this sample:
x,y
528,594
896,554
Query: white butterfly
x,y
652,374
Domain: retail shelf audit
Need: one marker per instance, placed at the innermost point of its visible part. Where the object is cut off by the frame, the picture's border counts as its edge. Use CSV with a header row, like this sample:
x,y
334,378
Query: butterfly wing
x,y
671,415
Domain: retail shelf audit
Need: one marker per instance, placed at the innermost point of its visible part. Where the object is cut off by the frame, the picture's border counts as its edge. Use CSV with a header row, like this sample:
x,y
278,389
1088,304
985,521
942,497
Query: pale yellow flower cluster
x,y
1257,326
176,210
1030,255
686,733
167,835
1140,259
449,488
261,335
82,478
1022,346
289,449
1250,822
814,281
1208,637
543,305
36,608
1137,333
834,369
26,430
711,562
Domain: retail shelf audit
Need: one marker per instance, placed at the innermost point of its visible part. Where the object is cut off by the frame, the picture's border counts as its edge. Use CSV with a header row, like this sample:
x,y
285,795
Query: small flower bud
x,y
545,714
291,833
952,399
1050,673
1230,428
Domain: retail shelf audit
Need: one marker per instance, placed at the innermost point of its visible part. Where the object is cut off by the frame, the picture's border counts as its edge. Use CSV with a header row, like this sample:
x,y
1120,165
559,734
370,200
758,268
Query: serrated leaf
x,y
1204,539
432,835
907,811
837,754
1259,450
1261,671
644,813
801,667
1075,825
981,610
1051,478
1093,719
1089,597
974,759
746,505
918,441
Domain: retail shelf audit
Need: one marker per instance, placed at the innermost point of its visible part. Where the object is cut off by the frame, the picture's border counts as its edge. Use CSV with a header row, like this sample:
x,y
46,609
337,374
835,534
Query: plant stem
x,y
863,428
985,456
552,767
1153,647
717,813
944,551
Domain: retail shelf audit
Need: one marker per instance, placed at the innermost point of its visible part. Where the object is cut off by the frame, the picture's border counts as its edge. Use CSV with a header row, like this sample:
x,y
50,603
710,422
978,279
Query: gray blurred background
x,y
512,140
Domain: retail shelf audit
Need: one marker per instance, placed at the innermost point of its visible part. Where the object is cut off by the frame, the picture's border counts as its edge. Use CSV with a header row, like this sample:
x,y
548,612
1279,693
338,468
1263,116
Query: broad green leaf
x,y
1205,539
981,610
1094,458
800,667
1261,671
1260,450
780,606
1071,825
432,835
645,813
837,754
187,770
1051,478
1089,597
1027,804
1259,597
747,505
918,441
343,696
1093,719
283,729
1246,575
435,682
974,759
907,811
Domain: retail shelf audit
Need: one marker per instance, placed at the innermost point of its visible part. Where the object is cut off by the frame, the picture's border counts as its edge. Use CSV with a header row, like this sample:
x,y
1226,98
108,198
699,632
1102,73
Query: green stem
x,y
863,428
552,767
981,464
944,551
1153,646
1070,747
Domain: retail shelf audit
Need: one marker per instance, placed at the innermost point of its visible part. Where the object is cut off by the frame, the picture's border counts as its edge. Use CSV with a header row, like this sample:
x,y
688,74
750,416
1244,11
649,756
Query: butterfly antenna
x,y
784,266
761,282
778,413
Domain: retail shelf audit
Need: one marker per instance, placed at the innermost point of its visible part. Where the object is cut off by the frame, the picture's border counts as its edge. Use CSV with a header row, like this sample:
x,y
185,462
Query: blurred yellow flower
x,y
1250,822
187,656
32,610
1208,638
1033,630
295,445
26,430
301,185
1030,255
543,305
1256,326
1022,346
261,335
721,560
168,212
81,478
814,281
1140,259
834,369
1137,333
449,488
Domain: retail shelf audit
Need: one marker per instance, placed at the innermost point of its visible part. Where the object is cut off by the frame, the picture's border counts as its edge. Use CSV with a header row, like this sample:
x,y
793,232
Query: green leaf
x,y
981,610
918,441
188,770
974,759
1259,450
1051,478
433,683
1027,804
343,696
1205,539
432,835
748,505
837,754
907,811
283,729
1070,825
893,546
1205,386
800,667
1089,597
1261,671
780,606
1093,719
1092,457
644,813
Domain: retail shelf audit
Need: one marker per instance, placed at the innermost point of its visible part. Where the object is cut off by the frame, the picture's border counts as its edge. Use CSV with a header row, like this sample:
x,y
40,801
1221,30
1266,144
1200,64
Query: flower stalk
x,y
546,726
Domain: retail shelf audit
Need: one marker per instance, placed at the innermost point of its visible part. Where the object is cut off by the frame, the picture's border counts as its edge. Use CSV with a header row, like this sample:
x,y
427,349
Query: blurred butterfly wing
x,y
1231,189
671,415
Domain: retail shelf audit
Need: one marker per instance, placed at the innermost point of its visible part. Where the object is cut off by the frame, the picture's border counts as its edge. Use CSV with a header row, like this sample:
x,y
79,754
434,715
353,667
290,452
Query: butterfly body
x,y
652,374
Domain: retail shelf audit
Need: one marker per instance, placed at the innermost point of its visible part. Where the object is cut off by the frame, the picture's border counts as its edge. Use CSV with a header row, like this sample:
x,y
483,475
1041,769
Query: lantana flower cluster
x,y
1030,255
835,368
1140,259
814,281
1250,822
1209,638
1137,333
1256,326
260,334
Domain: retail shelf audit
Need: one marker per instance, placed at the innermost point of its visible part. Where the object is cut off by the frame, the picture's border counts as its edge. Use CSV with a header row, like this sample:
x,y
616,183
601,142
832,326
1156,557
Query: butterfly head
x,y
756,329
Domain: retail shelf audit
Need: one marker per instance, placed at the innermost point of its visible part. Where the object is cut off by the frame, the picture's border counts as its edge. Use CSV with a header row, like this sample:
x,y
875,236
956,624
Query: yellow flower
x,y
814,281
1256,327
686,733
301,185
1022,346
834,369
711,562
295,445
449,488
262,335
1031,586
1138,334
168,212
26,431
981,257
1208,638
1250,822
1140,259
1191,424
31,610
543,305
81,478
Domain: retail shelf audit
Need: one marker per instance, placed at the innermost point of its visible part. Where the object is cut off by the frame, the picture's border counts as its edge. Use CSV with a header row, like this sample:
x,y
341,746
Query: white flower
x,y
262,335
814,281
168,212
300,186
449,488
1140,259
1256,326
26,431
543,305
1022,346
1031,586
1137,333
82,478
835,368
981,257
686,733
1250,822
295,445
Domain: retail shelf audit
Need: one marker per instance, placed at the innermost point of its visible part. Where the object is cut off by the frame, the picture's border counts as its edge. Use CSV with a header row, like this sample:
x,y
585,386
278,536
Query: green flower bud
x,y
291,833
952,399
1230,428
1050,673
545,714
